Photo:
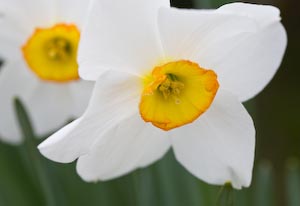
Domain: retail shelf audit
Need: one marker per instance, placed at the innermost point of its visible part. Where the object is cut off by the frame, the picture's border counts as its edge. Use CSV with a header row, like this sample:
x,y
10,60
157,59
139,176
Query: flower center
x,y
177,93
51,53
58,49
170,87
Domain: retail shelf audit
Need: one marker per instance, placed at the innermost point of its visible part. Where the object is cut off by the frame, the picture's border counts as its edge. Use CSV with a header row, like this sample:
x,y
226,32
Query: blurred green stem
x,y
32,152
293,182
226,196
263,185
136,192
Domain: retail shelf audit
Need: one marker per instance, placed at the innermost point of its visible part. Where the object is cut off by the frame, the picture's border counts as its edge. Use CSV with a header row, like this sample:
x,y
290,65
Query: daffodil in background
x,y
170,77
39,41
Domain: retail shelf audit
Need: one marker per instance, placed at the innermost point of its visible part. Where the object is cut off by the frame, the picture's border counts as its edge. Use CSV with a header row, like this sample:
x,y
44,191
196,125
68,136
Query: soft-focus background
x,y
28,179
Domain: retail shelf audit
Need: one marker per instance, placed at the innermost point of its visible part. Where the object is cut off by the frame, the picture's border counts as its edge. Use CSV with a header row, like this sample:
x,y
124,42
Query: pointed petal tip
x,y
239,181
47,151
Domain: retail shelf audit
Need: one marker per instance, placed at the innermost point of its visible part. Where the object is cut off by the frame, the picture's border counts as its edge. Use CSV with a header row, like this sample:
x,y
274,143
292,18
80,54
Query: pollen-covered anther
x,y
171,88
177,93
58,49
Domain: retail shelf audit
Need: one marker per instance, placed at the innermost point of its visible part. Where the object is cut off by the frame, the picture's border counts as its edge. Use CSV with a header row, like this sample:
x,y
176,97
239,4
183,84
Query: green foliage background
x,y
26,178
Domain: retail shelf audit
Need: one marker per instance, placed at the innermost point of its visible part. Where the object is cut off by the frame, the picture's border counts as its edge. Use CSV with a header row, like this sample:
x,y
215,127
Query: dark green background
x,y
276,179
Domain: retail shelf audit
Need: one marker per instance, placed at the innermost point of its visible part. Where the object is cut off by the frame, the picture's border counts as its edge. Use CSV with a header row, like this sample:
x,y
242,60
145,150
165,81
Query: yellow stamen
x,y
171,87
177,93
58,49
51,53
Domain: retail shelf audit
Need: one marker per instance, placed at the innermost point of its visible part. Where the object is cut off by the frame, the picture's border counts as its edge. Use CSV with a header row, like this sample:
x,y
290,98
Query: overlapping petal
x,y
122,149
81,92
262,14
249,63
244,49
120,35
196,30
219,147
114,99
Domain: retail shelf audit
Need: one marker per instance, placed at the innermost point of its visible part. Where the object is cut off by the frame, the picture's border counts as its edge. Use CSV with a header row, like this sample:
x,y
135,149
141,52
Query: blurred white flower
x,y
39,40
183,71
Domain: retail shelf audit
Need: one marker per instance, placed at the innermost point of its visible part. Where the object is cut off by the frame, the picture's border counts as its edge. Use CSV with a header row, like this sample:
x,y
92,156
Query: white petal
x,y
18,21
115,97
12,36
262,52
120,35
10,40
15,81
131,144
50,106
244,52
81,92
219,146
72,11
30,13
249,62
197,29
263,14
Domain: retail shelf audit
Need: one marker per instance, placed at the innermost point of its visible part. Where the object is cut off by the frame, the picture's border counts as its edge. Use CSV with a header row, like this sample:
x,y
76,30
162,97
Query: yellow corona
x,y
177,93
51,53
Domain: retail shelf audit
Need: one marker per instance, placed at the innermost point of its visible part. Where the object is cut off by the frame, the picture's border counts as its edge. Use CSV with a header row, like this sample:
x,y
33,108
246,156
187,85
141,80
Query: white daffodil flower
x,y
39,40
170,77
